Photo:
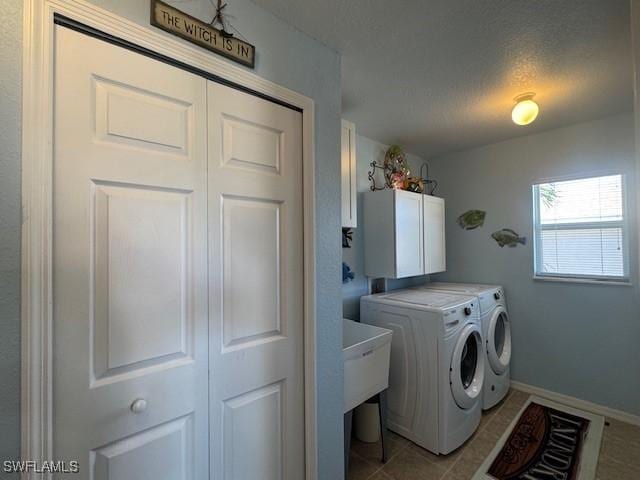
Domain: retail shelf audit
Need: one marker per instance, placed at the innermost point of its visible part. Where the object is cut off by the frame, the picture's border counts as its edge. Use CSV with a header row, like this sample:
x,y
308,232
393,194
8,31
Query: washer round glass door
x,y
467,367
499,341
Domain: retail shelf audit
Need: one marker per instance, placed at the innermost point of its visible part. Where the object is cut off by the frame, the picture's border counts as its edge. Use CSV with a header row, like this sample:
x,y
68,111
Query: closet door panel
x,y
255,287
130,320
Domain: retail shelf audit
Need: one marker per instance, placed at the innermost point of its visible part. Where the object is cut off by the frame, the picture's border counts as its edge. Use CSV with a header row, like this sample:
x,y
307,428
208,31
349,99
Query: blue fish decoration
x,y
347,274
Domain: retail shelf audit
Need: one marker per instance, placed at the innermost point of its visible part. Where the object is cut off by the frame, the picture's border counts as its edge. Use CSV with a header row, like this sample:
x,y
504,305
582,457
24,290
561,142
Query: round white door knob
x,y
139,405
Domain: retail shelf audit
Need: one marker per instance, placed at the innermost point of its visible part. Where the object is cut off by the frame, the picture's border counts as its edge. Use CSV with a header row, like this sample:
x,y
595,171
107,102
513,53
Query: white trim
x,y
635,41
499,363
623,225
590,449
37,139
577,403
624,282
598,172
605,224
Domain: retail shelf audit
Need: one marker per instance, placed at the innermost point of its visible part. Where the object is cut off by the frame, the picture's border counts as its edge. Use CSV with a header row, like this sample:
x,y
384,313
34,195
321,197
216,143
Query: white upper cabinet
x,y
403,234
348,162
408,234
434,238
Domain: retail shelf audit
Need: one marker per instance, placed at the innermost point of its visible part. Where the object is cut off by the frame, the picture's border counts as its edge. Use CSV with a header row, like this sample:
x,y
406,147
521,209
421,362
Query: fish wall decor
x,y
472,219
509,238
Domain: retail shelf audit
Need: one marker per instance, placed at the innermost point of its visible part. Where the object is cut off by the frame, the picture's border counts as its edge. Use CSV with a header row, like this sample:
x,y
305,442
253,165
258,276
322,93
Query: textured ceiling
x,y
440,75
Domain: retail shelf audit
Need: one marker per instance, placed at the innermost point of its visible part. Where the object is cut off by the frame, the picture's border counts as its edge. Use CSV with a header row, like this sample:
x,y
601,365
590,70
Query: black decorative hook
x,y
372,177
219,18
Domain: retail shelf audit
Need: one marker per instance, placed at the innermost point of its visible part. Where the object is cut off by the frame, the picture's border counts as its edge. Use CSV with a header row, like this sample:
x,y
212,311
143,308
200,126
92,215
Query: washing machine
x,y
437,369
496,332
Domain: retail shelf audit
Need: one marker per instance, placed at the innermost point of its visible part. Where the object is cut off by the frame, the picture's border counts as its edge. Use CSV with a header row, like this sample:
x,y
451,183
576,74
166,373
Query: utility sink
x,y
366,351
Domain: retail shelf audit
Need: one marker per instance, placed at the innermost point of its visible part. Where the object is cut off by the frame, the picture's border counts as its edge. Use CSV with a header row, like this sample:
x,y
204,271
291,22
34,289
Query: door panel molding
x,y
171,444
170,118
261,411
259,226
37,190
115,203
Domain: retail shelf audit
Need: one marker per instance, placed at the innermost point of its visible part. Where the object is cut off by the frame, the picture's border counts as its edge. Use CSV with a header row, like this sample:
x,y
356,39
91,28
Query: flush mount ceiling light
x,y
526,110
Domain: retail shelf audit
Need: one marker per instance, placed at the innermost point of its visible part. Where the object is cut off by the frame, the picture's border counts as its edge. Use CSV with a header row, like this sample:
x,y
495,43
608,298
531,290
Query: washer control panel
x,y
461,315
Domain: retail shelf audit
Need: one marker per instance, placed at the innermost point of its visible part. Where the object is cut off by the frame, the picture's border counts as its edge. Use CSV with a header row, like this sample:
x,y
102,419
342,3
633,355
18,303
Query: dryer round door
x,y
499,341
467,367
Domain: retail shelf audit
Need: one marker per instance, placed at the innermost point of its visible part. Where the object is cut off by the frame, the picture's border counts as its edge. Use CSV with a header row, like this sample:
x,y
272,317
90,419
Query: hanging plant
x,y
395,167
394,170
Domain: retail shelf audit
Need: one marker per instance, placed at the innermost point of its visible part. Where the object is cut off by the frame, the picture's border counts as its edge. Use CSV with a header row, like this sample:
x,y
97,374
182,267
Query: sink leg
x,y
348,422
382,410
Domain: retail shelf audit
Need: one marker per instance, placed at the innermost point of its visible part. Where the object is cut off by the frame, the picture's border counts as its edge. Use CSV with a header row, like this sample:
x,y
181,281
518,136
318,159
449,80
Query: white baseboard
x,y
577,403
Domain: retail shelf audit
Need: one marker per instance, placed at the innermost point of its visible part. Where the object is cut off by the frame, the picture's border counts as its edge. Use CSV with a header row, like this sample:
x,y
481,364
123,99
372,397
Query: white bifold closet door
x,y
129,265
256,287
177,272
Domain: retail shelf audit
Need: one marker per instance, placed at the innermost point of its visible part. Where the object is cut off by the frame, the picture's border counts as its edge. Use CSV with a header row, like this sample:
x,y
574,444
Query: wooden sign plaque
x,y
185,26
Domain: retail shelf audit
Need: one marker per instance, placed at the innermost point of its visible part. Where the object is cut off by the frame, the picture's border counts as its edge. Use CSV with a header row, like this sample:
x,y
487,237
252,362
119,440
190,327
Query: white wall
x,y
580,340
283,55
367,151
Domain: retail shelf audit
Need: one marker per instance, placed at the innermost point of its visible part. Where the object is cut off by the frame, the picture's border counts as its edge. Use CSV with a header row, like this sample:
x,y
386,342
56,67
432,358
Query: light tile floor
x,y
619,454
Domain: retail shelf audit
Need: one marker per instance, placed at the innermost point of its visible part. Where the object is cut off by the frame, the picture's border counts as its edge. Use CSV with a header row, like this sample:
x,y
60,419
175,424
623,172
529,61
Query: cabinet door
x,y
409,231
348,175
434,236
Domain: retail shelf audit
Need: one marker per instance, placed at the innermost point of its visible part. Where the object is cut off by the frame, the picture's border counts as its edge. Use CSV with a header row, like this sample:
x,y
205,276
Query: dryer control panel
x,y
489,299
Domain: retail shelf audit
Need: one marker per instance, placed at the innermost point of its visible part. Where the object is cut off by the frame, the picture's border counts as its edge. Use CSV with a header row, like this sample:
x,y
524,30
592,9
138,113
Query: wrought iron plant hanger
x,y
396,174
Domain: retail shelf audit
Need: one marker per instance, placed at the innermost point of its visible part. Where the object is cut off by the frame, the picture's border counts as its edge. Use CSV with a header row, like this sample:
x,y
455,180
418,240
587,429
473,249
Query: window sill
x,y
587,281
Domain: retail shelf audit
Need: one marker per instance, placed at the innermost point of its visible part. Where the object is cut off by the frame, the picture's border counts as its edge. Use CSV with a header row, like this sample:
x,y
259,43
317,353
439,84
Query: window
x,y
580,229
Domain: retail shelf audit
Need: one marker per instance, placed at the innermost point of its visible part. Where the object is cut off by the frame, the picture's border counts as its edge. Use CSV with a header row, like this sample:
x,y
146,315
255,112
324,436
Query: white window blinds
x,y
580,229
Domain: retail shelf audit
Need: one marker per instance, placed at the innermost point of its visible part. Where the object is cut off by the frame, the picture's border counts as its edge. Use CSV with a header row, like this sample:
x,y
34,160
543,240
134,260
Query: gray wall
x,y
635,37
285,56
10,98
367,151
580,340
